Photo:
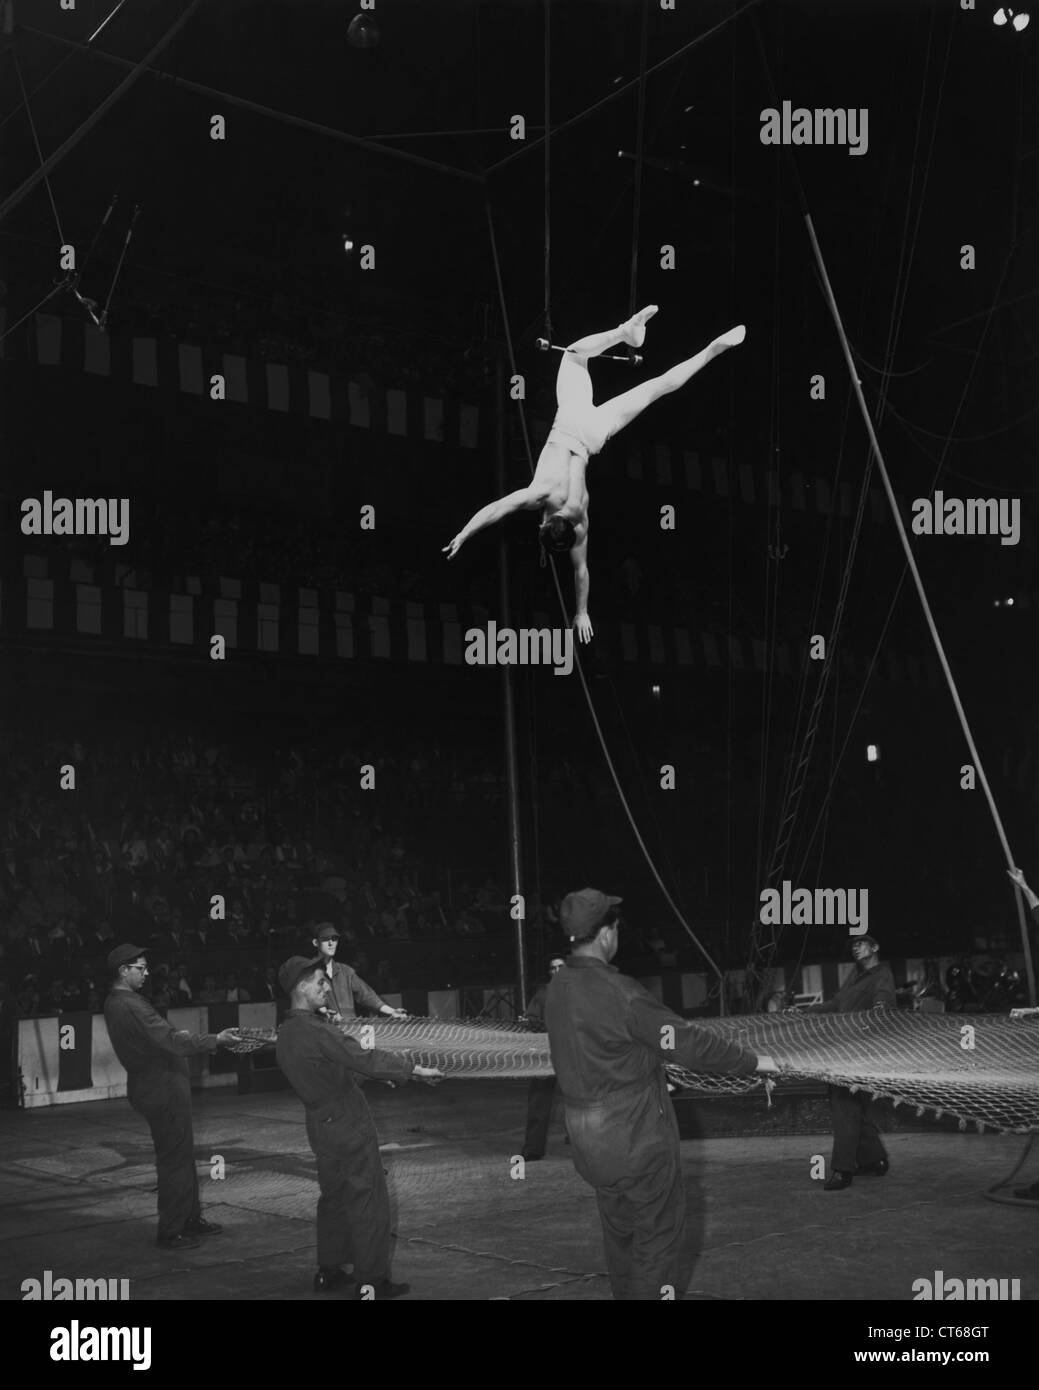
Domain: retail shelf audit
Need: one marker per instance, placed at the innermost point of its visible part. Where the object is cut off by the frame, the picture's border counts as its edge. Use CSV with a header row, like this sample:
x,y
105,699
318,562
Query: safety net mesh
x,y
983,1069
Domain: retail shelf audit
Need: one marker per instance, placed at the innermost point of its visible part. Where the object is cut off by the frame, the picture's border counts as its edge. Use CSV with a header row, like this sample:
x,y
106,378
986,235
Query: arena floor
x,y
77,1198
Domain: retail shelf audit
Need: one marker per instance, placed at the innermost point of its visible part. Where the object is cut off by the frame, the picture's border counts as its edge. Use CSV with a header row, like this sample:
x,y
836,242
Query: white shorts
x,y
582,434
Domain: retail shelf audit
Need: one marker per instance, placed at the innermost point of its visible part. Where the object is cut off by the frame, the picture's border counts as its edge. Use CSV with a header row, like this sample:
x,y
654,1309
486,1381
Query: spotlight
x,y
1006,15
363,32
348,245
655,691
872,753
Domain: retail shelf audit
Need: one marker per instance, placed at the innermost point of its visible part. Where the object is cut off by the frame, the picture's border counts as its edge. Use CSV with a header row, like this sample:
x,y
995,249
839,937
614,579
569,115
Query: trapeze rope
x,y
639,141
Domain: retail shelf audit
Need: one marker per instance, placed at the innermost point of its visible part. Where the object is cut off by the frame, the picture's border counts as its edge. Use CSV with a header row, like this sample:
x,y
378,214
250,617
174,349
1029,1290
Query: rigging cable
x,y
548,170
136,71
640,129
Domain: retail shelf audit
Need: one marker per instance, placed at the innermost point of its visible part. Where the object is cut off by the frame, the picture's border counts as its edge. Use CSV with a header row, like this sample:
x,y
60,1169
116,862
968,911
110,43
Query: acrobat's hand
x,y
452,550
583,626
1017,876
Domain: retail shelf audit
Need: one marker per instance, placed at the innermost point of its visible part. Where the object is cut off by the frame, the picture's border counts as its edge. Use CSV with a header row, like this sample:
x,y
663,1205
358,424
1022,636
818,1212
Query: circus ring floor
x,y
77,1198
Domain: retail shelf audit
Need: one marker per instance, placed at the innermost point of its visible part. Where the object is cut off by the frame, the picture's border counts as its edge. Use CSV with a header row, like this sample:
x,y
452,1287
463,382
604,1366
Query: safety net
x,y
983,1069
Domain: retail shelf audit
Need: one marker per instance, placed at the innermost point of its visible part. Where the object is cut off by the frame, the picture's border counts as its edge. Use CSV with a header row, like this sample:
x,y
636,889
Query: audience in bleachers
x,y
161,823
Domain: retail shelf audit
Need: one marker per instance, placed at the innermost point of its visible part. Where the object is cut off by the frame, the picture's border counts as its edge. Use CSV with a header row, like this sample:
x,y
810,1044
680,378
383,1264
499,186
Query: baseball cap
x,y
293,971
123,955
582,913
324,931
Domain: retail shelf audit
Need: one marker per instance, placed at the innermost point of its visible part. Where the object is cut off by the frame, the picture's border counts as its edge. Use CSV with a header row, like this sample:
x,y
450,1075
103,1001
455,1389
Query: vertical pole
x,y
509,695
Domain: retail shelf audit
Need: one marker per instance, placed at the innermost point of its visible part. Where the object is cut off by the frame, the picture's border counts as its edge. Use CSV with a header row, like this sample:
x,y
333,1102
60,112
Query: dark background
x,y
239,246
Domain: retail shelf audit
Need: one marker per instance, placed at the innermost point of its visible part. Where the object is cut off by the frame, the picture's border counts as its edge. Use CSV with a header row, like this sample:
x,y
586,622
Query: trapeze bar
x,y
543,345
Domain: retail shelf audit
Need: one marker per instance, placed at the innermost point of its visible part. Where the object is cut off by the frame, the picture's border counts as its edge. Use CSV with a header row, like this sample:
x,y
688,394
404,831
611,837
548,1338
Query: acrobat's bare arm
x,y
582,583
524,499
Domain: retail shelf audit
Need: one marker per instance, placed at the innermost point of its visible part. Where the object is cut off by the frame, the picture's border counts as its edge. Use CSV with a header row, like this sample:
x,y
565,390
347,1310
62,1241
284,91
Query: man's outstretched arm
x,y
524,499
582,583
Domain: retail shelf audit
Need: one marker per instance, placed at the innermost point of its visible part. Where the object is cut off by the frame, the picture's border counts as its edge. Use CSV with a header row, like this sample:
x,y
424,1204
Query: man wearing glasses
x,y
157,1086
347,989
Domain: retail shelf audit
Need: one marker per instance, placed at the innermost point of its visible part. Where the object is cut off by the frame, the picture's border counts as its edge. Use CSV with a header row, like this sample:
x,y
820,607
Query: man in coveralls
x,y
609,1040
324,1067
542,1090
347,988
857,1146
157,1086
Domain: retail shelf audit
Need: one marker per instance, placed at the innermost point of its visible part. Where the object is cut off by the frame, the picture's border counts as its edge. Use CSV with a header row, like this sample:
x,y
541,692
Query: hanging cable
x,y
34,310
548,171
103,320
640,132
76,48
36,142
136,71
948,439
529,146
730,703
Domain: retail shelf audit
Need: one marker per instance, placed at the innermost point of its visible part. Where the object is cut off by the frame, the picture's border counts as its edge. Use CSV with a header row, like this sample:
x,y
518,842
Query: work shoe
x,y
529,1157
873,1170
178,1243
202,1227
385,1288
330,1278
837,1181
1028,1194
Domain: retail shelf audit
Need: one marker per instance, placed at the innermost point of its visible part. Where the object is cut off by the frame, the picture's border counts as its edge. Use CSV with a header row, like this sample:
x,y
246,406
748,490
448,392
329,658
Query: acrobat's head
x,y
557,535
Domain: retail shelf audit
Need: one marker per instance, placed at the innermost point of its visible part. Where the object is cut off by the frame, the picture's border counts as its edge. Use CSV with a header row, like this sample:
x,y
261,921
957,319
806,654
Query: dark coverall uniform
x,y
157,1086
604,1031
542,1090
353,1212
856,1139
349,990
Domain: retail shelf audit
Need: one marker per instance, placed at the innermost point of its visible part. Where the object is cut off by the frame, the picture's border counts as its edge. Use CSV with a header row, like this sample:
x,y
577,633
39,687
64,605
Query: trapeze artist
x,y
581,429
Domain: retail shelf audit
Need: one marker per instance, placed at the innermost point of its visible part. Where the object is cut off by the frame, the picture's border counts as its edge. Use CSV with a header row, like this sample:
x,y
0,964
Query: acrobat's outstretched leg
x,y
573,381
621,410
